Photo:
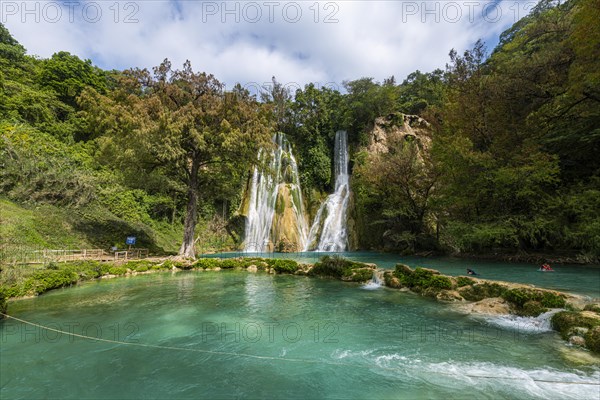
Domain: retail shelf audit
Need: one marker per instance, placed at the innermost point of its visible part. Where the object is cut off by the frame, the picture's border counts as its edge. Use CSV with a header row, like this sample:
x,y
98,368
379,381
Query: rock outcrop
x,y
284,232
399,127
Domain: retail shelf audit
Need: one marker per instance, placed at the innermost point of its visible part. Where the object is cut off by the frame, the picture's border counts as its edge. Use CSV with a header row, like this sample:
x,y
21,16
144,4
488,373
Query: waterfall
x,y
328,231
376,281
275,186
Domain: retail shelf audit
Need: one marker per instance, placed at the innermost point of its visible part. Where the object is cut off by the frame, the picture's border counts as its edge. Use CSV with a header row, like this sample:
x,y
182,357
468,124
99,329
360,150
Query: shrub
x,y
117,270
87,269
52,265
464,281
337,267
138,265
284,266
207,263
330,266
45,280
230,263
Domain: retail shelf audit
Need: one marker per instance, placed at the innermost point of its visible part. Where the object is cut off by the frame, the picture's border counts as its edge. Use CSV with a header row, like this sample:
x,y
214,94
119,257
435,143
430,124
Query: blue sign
x,y
130,240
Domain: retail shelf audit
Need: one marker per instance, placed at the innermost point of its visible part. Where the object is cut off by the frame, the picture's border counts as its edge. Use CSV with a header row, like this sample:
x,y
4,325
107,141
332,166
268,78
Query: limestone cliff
x,y
399,126
285,234
373,229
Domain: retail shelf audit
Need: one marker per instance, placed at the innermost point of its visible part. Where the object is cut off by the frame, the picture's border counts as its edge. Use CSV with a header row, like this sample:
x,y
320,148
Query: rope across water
x,y
283,359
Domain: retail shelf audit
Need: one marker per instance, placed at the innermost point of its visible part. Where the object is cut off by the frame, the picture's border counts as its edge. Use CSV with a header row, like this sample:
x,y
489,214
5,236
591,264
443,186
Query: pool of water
x,y
236,334
581,279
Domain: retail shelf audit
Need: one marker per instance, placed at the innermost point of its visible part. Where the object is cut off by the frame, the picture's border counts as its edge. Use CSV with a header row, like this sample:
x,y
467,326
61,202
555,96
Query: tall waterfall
x,y
275,186
329,231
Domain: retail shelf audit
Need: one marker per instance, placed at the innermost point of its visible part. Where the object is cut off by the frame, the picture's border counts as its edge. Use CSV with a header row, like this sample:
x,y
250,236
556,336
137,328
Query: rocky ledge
x,y
579,323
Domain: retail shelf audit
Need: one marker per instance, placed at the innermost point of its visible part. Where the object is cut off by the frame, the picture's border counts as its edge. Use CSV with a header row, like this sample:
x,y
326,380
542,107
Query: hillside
x,y
47,226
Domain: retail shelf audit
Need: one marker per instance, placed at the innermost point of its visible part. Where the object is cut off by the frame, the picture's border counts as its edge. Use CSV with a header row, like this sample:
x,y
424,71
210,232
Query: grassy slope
x,y
46,226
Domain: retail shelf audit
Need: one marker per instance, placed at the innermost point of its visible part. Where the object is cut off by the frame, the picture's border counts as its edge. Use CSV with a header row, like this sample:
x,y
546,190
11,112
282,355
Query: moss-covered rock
x,y
360,275
594,307
449,296
491,306
592,339
428,282
480,291
284,266
566,322
402,269
341,268
532,308
391,281
533,302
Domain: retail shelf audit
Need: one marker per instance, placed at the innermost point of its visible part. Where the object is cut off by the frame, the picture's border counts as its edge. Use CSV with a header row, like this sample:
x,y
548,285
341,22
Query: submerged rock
x,y
577,341
252,268
449,296
492,306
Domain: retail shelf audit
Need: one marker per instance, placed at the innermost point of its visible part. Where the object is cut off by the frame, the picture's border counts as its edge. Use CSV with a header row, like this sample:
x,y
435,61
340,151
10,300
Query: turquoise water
x,y
581,279
235,334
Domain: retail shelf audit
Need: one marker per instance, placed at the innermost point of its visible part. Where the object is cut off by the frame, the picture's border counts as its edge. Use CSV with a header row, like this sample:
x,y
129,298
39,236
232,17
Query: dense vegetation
x,y
512,167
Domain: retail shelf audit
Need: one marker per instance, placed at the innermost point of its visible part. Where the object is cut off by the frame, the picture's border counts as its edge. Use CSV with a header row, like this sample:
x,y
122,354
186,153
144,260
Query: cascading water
x,y
376,281
275,185
329,231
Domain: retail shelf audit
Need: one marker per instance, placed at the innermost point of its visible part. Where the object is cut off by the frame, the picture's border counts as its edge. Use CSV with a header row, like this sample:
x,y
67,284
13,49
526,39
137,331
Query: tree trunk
x,y
191,214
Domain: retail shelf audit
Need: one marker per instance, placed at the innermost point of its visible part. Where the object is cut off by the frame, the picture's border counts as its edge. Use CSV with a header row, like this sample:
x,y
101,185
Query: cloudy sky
x,y
325,42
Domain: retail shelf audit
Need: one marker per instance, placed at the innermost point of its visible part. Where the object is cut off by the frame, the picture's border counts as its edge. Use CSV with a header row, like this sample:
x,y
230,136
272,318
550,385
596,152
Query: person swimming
x,y
546,267
471,272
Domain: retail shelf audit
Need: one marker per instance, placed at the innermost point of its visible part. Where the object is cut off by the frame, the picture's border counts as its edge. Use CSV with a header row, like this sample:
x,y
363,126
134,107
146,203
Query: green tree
x,y
317,115
420,91
182,122
403,180
68,75
365,101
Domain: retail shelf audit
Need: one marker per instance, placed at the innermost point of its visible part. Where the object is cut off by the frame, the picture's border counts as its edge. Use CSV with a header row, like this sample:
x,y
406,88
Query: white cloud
x,y
370,38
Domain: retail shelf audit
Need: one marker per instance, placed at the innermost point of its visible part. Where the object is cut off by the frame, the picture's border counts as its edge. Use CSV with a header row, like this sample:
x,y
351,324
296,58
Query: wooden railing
x,y
44,256
131,254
